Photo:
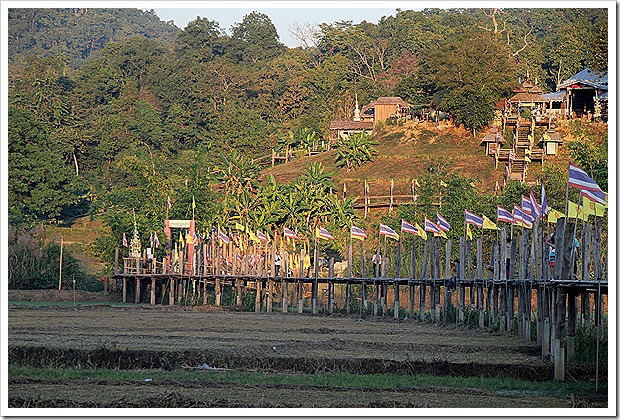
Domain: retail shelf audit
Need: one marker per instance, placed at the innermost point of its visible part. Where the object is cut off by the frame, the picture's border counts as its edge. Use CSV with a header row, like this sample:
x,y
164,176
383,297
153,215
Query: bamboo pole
x,y
60,264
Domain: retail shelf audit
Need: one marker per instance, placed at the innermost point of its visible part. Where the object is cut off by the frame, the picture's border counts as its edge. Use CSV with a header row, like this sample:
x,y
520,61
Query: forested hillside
x,y
113,111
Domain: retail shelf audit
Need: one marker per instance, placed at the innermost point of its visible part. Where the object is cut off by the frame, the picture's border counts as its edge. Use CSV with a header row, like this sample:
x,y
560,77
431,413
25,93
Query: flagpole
x,y
350,262
566,208
573,249
513,222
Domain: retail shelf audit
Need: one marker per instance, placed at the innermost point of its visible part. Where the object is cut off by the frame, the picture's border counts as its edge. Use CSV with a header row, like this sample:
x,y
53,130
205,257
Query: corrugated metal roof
x,y
554,96
386,100
586,77
350,125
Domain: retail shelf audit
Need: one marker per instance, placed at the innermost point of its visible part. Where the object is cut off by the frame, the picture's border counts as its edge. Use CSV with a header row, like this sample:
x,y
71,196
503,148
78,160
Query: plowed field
x,y
156,348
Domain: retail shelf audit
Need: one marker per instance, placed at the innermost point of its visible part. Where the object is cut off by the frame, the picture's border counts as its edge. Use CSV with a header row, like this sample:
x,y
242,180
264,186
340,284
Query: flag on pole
x,y
443,184
407,227
261,236
441,234
289,234
322,233
536,209
387,231
223,237
443,223
357,233
468,231
554,215
181,241
575,211
169,203
431,227
125,240
504,215
488,224
527,221
196,238
156,240
517,215
189,239
526,205
595,195
473,219
421,233
592,207
578,178
544,207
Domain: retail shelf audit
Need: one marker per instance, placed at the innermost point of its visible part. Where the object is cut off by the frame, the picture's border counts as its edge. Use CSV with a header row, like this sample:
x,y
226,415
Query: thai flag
x,y
526,204
125,240
407,227
431,227
224,238
357,233
536,209
443,223
518,215
597,196
527,220
544,207
577,178
473,219
504,215
289,234
261,236
169,203
387,231
324,234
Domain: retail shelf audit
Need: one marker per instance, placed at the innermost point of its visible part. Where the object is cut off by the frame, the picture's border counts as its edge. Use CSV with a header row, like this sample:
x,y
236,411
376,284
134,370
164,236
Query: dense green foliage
x,y
33,265
355,150
111,111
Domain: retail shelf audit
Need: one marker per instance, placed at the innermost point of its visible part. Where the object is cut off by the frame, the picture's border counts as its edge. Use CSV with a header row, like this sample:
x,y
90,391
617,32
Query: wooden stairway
x,y
523,149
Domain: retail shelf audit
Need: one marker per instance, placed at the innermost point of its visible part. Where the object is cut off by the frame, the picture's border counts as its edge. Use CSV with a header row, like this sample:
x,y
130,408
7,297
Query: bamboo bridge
x,y
523,299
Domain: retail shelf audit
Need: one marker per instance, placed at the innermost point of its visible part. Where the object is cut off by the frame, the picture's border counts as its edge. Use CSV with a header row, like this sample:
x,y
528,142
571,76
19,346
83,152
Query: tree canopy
x,y
118,108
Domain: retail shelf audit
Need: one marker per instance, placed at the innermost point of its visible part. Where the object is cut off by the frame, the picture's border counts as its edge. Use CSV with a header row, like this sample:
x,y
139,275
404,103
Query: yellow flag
x,y
592,207
253,237
468,232
421,232
575,211
488,223
240,227
441,234
193,203
443,184
473,184
189,238
554,215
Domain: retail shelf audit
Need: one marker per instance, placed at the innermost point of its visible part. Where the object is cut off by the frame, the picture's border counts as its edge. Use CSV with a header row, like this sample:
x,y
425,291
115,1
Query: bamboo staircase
x,y
523,150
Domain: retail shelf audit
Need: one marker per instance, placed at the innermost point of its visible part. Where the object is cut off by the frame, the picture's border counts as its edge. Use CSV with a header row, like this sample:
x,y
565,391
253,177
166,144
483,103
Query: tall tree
x,y
473,68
